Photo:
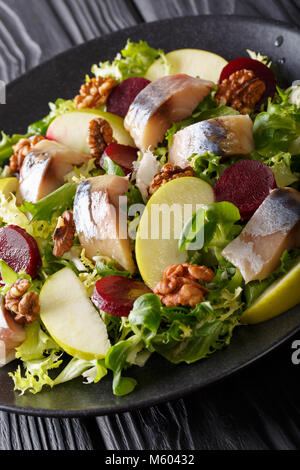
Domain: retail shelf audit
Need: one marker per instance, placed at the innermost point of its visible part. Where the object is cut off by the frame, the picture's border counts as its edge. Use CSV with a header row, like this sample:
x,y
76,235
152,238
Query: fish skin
x,y
44,169
164,101
97,219
221,136
274,228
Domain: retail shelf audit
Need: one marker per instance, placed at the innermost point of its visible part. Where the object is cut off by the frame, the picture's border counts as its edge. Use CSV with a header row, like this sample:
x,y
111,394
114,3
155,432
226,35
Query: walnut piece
x,y
21,150
100,136
64,234
168,173
242,91
25,305
180,285
94,93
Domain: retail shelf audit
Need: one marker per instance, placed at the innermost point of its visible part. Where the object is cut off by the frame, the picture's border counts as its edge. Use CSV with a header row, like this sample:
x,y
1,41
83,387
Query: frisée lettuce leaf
x,y
41,356
278,128
133,61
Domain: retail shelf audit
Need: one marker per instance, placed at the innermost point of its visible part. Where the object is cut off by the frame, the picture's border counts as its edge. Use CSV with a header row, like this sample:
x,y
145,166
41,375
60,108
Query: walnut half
x,y
168,173
25,305
242,91
94,93
180,285
64,234
100,136
21,150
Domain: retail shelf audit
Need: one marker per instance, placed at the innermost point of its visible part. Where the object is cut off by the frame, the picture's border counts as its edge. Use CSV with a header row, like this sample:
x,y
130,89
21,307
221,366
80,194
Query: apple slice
x,y
71,129
157,240
70,317
193,62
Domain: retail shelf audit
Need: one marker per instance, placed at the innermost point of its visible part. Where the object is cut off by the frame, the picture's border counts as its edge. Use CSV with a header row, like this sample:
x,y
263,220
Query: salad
x,y
154,213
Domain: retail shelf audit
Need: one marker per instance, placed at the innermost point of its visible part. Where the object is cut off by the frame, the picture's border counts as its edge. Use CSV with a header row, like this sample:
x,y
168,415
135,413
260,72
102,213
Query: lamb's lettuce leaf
x,y
217,224
117,360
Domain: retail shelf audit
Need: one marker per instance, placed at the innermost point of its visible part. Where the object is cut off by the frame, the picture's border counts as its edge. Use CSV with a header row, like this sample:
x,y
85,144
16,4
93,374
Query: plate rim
x,y
175,395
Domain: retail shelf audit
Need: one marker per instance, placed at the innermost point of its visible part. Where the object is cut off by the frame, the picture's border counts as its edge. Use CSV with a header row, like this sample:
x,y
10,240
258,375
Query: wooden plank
x,y
277,9
32,34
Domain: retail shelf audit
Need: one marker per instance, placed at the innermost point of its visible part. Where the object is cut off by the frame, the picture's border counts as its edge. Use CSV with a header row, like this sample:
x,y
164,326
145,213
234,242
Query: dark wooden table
x,y
258,408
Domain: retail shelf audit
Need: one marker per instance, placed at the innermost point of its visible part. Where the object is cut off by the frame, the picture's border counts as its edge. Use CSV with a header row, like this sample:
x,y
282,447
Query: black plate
x,y
27,100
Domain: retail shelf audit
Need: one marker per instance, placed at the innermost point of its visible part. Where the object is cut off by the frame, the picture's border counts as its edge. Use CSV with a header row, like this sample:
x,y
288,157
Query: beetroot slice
x,y
117,294
124,94
19,250
246,184
123,155
261,71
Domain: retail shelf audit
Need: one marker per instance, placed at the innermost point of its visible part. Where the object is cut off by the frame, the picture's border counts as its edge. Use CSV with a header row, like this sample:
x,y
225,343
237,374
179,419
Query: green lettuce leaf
x,y
112,168
10,213
193,335
117,360
52,264
182,334
56,202
6,145
107,267
93,371
146,312
41,356
133,61
36,344
217,225
36,374
277,129
208,166
285,167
